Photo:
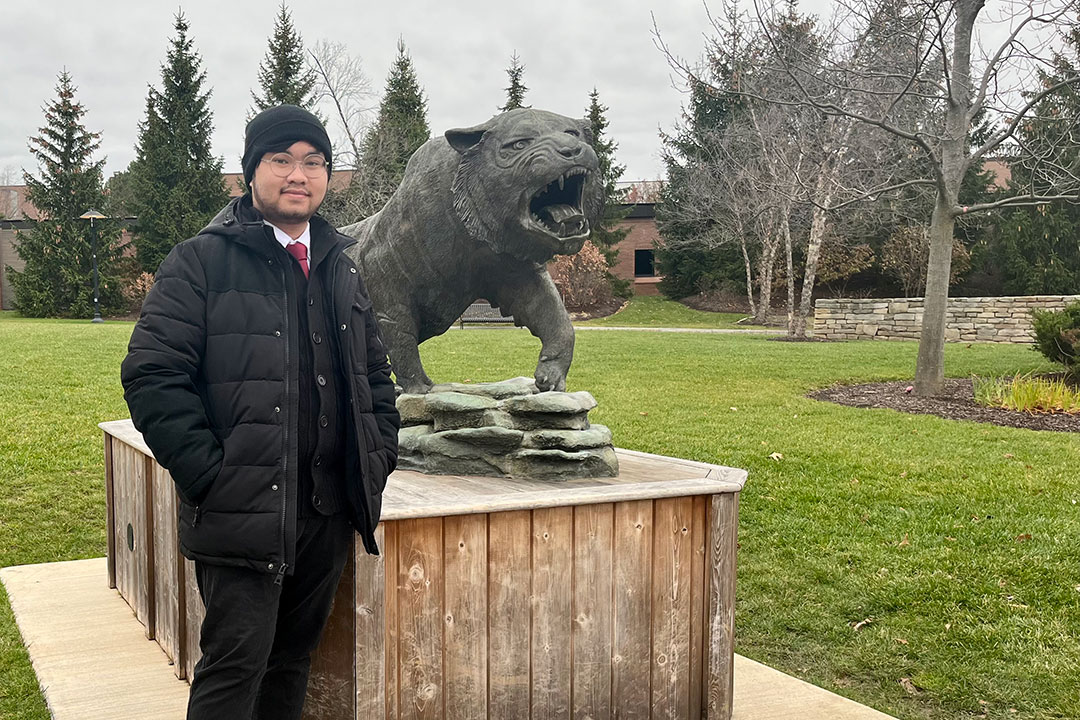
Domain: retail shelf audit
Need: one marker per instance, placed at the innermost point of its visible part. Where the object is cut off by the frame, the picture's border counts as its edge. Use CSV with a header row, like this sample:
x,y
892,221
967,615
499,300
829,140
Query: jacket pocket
x,y
189,513
373,440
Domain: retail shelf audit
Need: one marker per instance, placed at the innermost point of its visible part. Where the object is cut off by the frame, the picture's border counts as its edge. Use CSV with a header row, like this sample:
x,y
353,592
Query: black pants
x,y
257,637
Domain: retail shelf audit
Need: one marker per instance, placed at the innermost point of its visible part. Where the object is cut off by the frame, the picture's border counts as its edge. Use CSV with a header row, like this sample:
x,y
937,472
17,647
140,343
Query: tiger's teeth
x,y
562,181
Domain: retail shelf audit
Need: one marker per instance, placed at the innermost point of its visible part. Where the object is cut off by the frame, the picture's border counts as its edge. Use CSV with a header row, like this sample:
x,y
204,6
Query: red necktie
x,y
299,251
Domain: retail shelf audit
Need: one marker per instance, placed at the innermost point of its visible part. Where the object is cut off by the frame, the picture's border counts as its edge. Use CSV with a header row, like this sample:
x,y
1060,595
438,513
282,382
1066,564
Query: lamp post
x,y
93,215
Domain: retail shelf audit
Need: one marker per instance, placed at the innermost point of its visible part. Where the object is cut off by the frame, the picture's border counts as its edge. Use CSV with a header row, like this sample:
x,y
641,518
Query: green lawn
x,y
649,311
905,526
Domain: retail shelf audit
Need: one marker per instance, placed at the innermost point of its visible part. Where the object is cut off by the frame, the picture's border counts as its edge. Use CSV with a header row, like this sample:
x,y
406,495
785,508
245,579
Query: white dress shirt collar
x,y
284,239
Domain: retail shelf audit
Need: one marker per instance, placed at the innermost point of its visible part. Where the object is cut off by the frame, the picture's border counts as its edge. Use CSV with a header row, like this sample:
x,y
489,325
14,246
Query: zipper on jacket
x,y
285,436
280,574
195,517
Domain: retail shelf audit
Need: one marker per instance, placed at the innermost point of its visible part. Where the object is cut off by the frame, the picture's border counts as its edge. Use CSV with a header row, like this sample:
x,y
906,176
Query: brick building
x,y
15,214
636,261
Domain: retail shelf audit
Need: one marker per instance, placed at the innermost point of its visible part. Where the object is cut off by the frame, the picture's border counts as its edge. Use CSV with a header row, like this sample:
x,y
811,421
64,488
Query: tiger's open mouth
x,y
556,208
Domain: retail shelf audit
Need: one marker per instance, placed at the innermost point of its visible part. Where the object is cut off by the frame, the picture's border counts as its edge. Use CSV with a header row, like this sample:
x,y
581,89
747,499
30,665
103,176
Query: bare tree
x,y
809,163
343,92
948,71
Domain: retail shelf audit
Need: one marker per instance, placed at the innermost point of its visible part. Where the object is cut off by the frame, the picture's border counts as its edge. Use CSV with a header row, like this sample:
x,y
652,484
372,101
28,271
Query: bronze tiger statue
x,y
478,214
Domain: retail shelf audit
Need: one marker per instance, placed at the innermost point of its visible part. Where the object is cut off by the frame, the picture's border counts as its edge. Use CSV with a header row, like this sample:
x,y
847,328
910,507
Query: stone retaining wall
x,y
980,319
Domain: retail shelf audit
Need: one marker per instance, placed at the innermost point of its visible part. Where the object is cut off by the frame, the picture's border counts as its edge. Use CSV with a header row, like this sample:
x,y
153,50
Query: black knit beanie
x,y
276,129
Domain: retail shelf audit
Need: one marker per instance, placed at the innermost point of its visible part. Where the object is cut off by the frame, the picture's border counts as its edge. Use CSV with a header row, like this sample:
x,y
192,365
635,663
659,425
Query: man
x,y
257,377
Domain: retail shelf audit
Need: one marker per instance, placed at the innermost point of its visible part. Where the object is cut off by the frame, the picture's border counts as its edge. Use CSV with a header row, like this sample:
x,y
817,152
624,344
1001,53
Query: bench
x,y
482,311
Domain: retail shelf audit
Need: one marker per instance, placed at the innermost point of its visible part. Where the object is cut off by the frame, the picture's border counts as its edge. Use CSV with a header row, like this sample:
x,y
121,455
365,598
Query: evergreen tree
x,y
515,94
57,280
1038,252
176,183
284,76
607,235
399,130
688,263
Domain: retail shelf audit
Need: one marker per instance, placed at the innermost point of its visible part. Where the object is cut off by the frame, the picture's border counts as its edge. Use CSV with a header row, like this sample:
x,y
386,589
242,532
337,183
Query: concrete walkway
x,y
93,660
714,331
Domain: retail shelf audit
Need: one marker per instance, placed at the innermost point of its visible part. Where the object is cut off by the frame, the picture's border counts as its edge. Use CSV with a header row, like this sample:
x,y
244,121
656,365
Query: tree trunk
x,y
786,227
749,276
813,255
930,368
765,275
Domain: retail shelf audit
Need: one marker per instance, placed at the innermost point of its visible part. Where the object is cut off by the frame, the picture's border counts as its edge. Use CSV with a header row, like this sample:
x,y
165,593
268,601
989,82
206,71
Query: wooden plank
x,y
631,674
166,558
593,564
370,630
125,432
148,554
124,498
465,654
552,570
723,537
671,609
130,530
698,605
391,558
420,608
411,494
110,513
509,616
195,613
404,502
182,633
331,691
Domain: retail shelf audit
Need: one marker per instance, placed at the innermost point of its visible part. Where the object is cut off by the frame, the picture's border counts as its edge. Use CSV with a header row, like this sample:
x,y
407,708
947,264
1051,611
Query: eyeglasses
x,y
282,165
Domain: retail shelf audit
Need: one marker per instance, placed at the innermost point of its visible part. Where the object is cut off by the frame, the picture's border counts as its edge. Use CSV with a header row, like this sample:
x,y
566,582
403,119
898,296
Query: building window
x,y
643,263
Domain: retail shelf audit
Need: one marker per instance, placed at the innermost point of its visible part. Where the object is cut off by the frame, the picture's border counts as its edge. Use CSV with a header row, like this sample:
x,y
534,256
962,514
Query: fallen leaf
x,y
1001,582
904,542
854,481
777,456
909,686
643,414
733,409
948,626
863,623
1023,538
1009,456
902,641
903,474
950,539
865,518
468,380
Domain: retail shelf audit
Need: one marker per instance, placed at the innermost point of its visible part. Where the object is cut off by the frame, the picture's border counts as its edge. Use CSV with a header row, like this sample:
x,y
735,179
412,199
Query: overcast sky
x,y
114,50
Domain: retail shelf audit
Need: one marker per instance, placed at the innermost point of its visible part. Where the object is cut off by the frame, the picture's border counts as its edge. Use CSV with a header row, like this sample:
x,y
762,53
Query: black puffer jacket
x,y
211,382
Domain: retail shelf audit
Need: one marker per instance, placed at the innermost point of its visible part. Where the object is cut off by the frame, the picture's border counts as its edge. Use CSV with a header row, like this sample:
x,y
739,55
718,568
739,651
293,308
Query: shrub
x,y
582,278
1057,336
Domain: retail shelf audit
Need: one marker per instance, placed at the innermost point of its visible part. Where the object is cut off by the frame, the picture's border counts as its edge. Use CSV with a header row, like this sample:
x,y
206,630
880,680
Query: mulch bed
x,y
955,403
600,310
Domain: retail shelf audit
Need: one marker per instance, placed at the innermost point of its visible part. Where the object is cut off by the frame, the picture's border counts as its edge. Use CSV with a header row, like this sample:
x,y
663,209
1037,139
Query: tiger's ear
x,y
586,131
462,139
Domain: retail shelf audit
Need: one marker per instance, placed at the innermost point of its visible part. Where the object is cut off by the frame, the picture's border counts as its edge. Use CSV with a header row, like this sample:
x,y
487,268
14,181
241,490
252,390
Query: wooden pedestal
x,y
493,599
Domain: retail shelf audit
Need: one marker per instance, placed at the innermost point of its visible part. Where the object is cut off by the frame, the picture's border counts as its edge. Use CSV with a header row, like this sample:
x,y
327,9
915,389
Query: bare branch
x,y
1001,136
340,81
1016,201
